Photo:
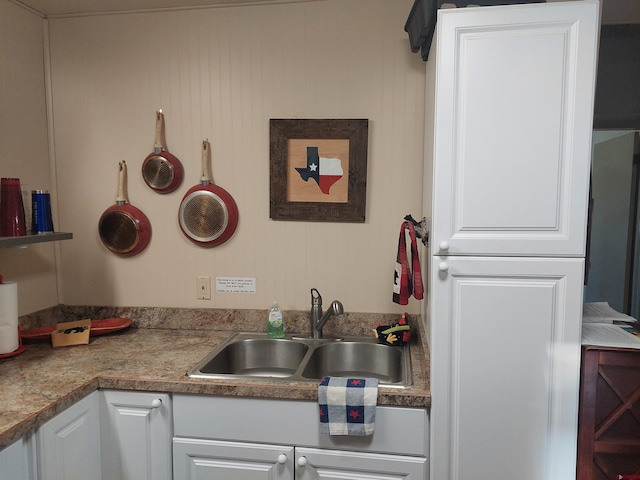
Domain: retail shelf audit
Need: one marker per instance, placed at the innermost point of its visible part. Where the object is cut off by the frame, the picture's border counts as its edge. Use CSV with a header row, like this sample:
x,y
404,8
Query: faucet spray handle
x,y
336,308
316,298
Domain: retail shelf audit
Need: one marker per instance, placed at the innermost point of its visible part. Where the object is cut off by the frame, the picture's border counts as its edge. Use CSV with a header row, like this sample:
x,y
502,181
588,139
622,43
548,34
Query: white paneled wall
x,y
222,73
24,148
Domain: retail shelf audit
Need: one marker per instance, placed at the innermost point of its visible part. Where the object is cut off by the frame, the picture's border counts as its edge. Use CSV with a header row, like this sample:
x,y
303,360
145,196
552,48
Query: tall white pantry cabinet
x,y
511,88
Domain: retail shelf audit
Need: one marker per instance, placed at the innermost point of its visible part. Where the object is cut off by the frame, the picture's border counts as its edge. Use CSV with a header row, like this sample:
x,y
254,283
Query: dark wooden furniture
x,y
609,416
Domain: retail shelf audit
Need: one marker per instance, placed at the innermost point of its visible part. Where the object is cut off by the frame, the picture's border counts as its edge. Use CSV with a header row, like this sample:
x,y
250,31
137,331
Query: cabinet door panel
x,y
200,459
505,357
514,104
136,435
69,443
316,464
17,461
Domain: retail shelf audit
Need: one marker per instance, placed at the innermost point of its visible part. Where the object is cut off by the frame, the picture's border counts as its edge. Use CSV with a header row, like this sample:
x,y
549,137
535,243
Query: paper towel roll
x,y
9,341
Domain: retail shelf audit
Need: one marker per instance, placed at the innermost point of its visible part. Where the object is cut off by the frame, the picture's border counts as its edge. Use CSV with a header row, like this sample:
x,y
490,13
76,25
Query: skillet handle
x,y
161,144
206,158
122,196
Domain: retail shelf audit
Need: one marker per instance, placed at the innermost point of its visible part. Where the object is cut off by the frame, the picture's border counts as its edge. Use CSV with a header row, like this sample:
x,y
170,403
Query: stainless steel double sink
x,y
253,355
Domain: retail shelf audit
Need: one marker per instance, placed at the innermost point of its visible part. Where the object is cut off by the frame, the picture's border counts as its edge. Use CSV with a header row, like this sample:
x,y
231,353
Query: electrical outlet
x,y
204,288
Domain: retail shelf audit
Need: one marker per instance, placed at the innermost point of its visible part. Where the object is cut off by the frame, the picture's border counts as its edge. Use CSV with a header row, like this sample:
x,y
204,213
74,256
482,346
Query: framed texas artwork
x,y
318,169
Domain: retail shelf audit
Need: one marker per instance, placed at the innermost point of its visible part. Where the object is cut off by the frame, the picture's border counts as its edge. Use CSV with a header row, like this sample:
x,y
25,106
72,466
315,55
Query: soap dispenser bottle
x,y
275,324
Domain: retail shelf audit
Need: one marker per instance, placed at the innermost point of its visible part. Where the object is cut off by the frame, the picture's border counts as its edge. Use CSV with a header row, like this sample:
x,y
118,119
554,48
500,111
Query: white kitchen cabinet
x,y
513,118
512,90
505,365
17,461
136,430
203,459
249,438
68,445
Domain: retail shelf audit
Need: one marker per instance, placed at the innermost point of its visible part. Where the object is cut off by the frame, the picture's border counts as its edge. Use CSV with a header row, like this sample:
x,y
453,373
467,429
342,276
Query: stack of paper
x,y
601,312
605,327
609,335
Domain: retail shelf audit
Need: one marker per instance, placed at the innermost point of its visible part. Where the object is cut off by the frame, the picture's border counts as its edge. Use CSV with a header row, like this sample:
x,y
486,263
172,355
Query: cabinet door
x,y
513,123
69,443
199,459
17,461
505,358
136,435
313,463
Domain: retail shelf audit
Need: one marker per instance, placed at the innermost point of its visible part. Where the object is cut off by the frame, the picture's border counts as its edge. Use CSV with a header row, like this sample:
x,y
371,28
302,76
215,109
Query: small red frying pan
x,y
161,170
208,214
123,228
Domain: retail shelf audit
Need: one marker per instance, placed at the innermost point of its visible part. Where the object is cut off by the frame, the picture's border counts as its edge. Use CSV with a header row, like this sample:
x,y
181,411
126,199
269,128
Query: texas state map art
x,y
325,171
318,170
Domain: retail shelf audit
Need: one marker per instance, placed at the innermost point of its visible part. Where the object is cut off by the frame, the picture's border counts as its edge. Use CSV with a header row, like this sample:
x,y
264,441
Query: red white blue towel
x,y
347,405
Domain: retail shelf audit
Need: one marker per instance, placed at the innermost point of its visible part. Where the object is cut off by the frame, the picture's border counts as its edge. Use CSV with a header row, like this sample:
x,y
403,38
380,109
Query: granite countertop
x,y
42,381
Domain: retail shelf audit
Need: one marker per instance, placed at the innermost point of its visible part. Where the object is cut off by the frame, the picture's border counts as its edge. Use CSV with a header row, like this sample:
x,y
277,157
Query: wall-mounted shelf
x,y
9,242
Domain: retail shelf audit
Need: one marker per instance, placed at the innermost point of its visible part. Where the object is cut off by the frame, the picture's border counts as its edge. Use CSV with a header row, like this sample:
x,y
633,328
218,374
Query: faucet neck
x,y
316,314
316,298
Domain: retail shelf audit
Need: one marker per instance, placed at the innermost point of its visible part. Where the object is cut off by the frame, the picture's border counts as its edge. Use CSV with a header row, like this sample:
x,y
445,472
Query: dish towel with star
x,y
407,278
347,405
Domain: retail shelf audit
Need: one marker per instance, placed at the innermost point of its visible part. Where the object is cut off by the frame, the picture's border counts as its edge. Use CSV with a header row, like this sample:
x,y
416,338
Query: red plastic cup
x,y
12,219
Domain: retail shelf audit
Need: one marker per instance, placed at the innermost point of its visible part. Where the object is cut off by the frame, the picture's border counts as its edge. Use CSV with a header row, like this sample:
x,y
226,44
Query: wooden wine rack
x,y
609,416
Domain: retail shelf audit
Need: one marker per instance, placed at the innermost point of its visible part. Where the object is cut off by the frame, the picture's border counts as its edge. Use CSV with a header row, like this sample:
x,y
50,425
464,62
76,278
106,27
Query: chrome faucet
x,y
317,318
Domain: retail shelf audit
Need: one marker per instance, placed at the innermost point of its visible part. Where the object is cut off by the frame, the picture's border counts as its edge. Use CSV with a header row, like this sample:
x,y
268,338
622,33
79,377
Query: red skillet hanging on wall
x,y
208,214
123,228
161,170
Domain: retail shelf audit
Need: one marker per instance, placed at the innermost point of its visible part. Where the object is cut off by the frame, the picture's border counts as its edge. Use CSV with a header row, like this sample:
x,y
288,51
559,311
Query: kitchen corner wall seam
x,y
48,84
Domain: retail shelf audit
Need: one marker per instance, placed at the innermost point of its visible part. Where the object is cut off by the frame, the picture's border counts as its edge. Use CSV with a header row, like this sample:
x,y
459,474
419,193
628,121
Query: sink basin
x,y
356,359
258,357
253,355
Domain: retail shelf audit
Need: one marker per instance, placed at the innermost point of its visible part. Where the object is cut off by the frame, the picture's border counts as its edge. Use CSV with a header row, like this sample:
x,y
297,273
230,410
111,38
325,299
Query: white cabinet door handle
x,y
444,246
443,266
302,461
156,403
282,459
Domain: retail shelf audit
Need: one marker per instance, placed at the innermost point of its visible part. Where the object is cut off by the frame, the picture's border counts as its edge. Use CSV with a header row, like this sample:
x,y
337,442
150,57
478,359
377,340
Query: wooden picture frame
x,y
318,169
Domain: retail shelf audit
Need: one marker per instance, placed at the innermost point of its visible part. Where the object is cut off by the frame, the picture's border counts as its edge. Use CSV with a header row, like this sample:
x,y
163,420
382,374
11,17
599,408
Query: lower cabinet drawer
x,y
399,430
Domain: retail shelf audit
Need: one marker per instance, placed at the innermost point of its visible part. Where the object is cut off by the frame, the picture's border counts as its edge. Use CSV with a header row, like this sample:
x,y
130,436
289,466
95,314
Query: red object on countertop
x,y
98,327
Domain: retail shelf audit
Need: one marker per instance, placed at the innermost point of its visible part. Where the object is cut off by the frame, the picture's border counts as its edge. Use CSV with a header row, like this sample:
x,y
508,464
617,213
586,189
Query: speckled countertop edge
x,y
43,381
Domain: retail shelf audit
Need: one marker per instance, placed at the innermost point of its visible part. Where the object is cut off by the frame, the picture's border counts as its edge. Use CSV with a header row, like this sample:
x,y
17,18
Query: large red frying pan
x,y
208,214
161,170
123,228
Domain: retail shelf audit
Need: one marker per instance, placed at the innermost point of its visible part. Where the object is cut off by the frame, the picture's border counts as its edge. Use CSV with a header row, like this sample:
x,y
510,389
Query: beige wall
x,y
222,73
24,148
